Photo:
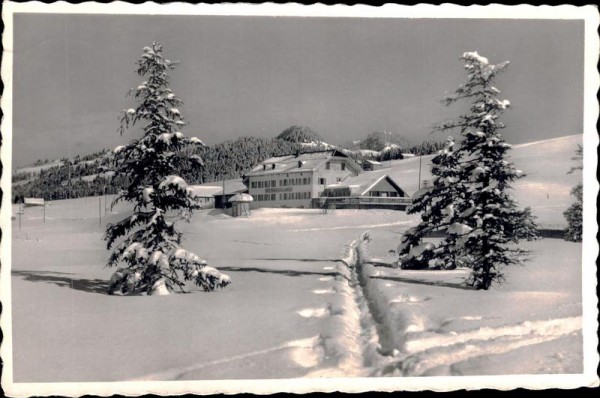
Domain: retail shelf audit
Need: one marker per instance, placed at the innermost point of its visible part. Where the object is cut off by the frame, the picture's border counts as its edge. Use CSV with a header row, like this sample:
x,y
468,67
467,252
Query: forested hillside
x,y
89,175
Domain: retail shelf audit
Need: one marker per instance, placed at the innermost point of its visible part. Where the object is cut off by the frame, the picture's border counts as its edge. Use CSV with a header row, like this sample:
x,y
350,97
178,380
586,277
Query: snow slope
x,y
546,187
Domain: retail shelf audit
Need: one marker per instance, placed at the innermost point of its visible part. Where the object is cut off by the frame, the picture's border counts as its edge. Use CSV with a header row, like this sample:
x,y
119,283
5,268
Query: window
x,y
274,183
285,196
343,166
285,183
260,184
339,179
322,181
328,165
273,197
267,184
253,184
304,181
309,181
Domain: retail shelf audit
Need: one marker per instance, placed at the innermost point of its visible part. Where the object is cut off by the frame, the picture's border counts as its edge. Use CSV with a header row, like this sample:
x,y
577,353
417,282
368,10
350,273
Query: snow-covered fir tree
x,y
436,204
485,221
574,214
147,242
490,219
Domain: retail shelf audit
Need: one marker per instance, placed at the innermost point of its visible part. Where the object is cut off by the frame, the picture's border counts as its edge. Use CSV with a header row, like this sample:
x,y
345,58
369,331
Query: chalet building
x,y
294,180
368,190
217,194
370,165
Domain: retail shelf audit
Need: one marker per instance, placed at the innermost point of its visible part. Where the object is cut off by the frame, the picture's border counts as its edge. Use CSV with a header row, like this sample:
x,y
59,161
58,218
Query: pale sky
x,y
257,76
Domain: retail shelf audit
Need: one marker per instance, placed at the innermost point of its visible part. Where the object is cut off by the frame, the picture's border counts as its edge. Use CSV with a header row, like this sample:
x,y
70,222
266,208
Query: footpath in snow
x,y
430,323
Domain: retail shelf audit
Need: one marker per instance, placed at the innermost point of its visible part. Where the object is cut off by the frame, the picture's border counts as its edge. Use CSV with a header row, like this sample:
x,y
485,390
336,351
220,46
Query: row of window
x,y
282,183
283,196
288,182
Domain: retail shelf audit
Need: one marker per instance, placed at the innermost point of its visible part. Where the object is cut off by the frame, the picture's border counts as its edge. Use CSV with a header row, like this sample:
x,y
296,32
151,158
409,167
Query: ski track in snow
x,y
423,351
303,353
425,354
390,224
548,328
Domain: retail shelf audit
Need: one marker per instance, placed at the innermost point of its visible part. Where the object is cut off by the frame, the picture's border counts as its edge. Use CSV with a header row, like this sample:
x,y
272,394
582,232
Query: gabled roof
x,y
206,191
308,161
361,184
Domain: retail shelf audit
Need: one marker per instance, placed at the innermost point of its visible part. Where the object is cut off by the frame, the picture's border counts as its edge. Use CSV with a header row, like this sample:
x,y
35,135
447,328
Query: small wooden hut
x,y
240,204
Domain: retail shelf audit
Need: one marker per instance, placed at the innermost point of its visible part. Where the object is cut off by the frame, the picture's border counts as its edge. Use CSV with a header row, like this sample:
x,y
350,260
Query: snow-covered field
x,y
294,308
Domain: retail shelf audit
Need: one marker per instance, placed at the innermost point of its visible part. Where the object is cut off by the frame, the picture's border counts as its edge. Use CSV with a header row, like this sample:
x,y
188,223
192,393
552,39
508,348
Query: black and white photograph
x,y
286,198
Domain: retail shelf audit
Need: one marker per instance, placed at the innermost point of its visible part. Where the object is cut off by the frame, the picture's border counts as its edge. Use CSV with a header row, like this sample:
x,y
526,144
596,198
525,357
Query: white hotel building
x,y
293,180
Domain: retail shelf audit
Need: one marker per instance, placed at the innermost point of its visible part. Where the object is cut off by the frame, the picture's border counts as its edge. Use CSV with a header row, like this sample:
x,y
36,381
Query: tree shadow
x,y
422,282
304,260
286,272
63,279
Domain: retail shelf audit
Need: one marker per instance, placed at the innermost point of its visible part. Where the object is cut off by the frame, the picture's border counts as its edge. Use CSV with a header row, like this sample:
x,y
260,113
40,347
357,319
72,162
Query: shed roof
x,y
206,191
231,187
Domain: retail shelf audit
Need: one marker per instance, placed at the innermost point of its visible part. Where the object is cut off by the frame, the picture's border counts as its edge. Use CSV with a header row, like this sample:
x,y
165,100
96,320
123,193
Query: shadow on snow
x,y
286,272
63,279
422,282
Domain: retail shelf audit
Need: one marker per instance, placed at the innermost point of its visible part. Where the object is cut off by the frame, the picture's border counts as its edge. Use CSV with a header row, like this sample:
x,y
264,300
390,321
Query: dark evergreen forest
x,y
74,178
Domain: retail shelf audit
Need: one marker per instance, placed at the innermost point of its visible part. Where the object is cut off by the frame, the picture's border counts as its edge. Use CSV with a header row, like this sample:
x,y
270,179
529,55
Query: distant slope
x,y
546,188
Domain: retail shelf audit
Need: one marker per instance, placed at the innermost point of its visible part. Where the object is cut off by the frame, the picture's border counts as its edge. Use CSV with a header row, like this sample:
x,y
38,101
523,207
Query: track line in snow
x,y
551,327
302,358
425,355
306,352
447,356
390,224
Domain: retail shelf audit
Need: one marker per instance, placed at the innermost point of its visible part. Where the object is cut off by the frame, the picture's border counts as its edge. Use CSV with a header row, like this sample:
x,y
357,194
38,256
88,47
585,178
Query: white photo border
x,y
588,14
